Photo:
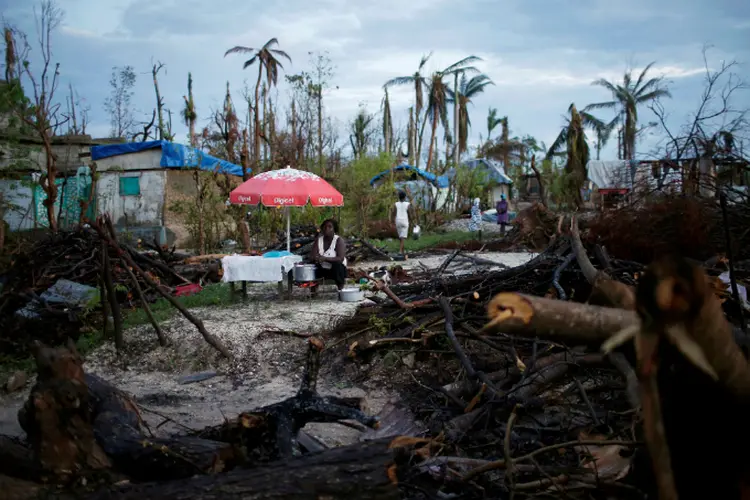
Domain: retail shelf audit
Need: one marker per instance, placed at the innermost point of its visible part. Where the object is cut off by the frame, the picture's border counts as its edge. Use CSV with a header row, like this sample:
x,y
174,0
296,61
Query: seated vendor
x,y
329,253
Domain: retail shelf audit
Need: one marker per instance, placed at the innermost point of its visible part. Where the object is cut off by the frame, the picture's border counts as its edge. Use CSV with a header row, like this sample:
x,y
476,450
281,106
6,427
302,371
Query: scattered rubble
x,y
512,380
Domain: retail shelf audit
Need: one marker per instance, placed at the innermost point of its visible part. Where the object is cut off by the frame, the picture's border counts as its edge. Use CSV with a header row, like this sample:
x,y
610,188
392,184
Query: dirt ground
x,y
268,362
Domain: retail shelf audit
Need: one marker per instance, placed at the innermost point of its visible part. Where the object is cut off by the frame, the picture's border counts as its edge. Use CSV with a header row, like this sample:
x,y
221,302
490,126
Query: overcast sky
x,y
541,54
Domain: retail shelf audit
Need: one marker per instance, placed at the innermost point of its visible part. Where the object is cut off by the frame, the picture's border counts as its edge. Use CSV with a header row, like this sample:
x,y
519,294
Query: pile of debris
x,y
49,291
540,400
529,404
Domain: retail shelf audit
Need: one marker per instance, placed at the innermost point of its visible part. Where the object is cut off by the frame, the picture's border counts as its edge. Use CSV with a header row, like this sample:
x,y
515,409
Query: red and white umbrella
x,y
287,187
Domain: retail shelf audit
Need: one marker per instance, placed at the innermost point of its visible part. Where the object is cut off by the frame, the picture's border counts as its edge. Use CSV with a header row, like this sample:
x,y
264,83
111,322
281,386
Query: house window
x,y
130,186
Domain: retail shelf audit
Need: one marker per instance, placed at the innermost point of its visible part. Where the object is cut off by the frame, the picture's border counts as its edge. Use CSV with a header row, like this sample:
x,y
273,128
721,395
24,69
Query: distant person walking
x,y
401,214
476,218
502,212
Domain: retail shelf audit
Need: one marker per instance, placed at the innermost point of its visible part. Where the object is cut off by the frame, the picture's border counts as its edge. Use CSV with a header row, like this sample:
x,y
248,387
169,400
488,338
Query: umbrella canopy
x,y
287,187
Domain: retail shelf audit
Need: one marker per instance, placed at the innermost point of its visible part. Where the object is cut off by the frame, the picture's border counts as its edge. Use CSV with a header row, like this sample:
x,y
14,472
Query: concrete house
x,y
139,183
22,162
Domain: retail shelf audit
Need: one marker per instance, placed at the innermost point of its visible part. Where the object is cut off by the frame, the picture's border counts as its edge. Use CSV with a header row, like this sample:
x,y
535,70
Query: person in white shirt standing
x,y
402,213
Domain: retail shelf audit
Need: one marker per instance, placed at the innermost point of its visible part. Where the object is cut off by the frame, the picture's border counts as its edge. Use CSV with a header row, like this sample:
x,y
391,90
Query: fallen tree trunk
x,y
359,471
556,320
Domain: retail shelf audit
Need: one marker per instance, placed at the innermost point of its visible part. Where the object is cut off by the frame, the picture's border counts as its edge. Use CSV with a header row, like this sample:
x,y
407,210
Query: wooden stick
x,y
617,294
113,303
103,297
380,285
470,371
212,340
159,333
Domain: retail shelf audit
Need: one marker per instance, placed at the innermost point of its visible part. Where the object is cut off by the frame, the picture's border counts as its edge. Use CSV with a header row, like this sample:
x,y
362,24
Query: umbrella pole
x,y
288,230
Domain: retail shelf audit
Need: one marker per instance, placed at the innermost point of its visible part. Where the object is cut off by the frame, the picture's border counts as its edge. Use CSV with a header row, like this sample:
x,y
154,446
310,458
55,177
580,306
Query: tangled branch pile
x,y
687,226
529,404
92,260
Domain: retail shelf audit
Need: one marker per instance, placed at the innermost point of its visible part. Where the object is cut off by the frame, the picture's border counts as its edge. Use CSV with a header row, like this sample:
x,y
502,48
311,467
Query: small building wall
x,y
180,191
20,194
127,210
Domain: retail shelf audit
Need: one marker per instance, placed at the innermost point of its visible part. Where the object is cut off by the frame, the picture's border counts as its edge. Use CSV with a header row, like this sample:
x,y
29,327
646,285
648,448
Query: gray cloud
x,y
542,54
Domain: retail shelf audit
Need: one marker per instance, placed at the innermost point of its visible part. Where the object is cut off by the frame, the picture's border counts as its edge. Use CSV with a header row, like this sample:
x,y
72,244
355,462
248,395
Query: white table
x,y
257,269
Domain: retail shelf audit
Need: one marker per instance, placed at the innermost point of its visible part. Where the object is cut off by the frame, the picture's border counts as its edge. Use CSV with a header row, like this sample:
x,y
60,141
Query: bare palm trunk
x,y
48,181
417,129
265,123
629,136
256,141
419,140
191,110
412,136
506,148
244,156
432,141
271,130
456,139
321,164
159,102
295,148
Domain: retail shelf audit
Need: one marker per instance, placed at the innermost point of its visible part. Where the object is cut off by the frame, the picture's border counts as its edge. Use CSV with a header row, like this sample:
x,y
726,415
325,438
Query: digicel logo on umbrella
x,y
283,201
243,199
325,201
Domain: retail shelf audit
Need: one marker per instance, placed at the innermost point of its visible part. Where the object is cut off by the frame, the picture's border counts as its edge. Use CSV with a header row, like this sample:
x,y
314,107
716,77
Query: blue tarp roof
x,y
172,156
494,168
441,182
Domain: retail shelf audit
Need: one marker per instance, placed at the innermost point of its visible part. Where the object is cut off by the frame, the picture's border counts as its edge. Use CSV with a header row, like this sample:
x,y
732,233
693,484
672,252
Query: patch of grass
x,y
426,241
217,294
89,341
10,364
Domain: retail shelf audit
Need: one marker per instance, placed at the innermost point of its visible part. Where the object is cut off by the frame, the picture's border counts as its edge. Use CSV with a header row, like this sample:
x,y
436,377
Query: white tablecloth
x,y
261,269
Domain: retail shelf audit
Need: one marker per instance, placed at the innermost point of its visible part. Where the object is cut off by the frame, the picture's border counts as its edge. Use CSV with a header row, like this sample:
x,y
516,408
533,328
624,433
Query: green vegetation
x,y
217,294
428,240
363,203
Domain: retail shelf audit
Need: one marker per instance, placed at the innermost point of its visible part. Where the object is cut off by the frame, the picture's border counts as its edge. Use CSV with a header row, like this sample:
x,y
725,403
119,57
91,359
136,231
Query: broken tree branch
x,y
107,233
144,304
616,293
556,320
114,304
